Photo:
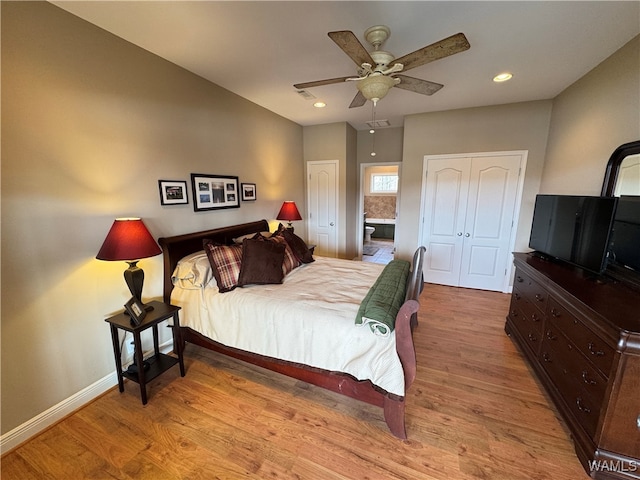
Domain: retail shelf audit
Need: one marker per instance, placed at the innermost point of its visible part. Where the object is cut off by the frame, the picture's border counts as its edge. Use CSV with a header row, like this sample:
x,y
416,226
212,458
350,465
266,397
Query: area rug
x,y
369,250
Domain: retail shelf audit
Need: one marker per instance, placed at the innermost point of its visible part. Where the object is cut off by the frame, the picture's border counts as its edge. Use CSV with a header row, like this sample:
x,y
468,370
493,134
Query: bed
x,y
319,301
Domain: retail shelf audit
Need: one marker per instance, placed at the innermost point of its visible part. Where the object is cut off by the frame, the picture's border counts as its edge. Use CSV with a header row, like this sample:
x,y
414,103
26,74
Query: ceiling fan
x,y
378,71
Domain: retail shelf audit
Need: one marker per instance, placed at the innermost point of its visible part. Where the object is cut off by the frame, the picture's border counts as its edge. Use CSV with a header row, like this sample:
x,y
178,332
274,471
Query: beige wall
x,y
90,123
387,145
521,126
591,118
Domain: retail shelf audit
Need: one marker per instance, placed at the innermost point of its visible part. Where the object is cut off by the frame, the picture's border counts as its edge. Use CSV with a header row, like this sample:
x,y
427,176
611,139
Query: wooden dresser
x,y
581,336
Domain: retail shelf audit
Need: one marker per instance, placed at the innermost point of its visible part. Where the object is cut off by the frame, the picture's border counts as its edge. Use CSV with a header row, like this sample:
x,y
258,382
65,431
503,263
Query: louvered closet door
x,y
468,209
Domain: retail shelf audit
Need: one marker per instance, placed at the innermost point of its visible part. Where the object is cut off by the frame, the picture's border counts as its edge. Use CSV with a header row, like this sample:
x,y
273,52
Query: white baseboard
x,y
44,420
40,422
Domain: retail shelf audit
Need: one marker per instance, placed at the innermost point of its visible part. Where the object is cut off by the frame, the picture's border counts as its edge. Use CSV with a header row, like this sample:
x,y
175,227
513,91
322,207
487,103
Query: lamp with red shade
x,y
129,241
289,212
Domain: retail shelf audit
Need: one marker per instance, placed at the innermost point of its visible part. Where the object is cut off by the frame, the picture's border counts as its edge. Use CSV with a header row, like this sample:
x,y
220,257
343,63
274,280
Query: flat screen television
x,y
625,237
574,229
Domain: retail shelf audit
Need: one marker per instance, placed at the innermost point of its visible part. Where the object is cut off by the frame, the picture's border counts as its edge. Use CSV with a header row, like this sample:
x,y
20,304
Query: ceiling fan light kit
x,y
375,77
375,87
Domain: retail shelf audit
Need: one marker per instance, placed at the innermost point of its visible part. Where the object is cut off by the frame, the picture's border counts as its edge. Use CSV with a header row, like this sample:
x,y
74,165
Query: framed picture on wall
x,y
173,192
212,192
248,192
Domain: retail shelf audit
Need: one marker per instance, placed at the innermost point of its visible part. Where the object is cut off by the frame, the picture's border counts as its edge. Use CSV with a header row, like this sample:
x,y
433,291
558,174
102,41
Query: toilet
x,y
367,233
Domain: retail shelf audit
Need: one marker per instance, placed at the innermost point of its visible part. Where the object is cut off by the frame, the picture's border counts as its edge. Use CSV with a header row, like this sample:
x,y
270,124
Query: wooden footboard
x,y
338,382
175,248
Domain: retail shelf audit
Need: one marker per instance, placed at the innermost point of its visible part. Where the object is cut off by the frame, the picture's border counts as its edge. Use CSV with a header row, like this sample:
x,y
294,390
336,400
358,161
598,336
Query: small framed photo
x,y
212,192
248,192
173,192
136,311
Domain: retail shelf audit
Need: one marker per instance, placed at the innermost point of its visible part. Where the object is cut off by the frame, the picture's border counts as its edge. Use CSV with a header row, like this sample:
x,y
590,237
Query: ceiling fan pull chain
x,y
373,129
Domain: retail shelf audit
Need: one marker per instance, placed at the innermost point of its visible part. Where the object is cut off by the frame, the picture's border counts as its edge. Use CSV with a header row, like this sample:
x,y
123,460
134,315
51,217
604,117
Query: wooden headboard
x,y
175,248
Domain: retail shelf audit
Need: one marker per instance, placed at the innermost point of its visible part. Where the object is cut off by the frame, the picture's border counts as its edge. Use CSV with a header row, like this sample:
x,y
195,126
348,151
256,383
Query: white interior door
x,y
322,191
469,204
444,217
493,185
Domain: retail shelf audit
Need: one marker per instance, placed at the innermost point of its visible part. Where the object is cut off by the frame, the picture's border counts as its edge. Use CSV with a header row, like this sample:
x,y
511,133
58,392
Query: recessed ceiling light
x,y
503,77
319,104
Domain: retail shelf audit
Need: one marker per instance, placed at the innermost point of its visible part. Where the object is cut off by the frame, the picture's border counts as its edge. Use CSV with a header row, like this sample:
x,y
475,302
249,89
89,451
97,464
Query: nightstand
x,y
159,362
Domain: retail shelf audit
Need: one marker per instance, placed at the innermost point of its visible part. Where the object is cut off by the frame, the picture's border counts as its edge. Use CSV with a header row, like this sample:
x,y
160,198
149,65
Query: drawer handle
x,y
532,337
638,422
593,351
546,357
539,297
581,407
514,314
550,335
586,379
534,318
517,296
555,313
519,279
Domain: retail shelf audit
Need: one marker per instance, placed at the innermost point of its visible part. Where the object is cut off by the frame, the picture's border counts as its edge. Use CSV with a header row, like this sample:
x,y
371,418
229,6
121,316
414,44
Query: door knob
x,y
332,224
467,234
459,234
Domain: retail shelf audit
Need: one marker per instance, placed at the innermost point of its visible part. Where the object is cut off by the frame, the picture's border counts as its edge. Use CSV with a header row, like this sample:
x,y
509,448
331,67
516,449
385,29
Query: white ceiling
x,y
259,49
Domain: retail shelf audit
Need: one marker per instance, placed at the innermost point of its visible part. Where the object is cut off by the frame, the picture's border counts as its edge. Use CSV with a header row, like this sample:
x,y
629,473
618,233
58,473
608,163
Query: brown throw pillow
x,y
261,262
225,261
298,246
290,261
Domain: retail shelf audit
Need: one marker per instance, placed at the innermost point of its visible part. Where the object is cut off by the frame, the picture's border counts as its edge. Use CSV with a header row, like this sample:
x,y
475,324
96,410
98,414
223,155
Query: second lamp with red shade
x,y
289,212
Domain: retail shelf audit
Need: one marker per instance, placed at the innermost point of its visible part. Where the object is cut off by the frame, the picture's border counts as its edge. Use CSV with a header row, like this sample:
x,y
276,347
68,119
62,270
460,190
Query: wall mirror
x,y
622,176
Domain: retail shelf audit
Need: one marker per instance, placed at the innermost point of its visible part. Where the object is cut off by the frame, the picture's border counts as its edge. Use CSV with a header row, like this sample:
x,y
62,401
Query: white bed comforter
x,y
309,319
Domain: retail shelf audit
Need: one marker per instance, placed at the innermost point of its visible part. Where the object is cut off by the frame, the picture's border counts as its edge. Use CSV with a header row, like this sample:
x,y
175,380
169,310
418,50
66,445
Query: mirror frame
x,y
613,166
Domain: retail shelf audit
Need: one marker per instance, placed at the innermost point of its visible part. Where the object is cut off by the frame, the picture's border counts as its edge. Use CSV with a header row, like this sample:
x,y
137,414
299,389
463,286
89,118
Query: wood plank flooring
x,y
474,412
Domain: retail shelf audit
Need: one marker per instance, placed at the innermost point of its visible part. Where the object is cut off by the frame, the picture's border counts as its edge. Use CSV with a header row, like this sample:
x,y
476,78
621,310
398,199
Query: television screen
x,y
625,238
573,228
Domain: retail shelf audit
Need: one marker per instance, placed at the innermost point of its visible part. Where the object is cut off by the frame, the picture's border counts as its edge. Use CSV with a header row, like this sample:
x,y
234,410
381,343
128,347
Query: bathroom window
x,y
384,183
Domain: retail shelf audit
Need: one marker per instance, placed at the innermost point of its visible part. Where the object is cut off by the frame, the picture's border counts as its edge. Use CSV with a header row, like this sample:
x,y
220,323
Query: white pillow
x,y
250,235
193,272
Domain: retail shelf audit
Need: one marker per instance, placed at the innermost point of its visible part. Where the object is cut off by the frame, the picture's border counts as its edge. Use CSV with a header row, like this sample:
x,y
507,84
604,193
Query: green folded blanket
x,y
380,307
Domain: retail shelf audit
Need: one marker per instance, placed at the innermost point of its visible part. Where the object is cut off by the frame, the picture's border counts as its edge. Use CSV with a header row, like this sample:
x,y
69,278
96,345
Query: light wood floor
x,y
474,412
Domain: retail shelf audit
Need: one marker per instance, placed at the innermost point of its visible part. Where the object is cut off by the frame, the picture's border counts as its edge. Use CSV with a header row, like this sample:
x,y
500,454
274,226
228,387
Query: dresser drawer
x,y
572,366
529,314
528,330
593,347
531,290
579,400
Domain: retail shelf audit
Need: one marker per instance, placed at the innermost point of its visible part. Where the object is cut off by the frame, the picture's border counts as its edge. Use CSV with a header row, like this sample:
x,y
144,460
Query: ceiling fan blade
x,y
449,46
350,44
319,83
358,101
417,85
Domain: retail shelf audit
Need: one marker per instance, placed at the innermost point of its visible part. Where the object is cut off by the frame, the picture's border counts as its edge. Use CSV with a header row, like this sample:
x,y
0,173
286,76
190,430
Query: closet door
x,y
447,186
468,211
493,185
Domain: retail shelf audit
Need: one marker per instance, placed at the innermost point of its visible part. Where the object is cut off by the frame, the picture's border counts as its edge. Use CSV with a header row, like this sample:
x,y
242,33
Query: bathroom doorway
x,y
379,184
